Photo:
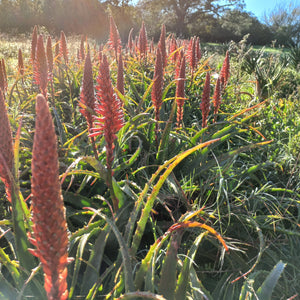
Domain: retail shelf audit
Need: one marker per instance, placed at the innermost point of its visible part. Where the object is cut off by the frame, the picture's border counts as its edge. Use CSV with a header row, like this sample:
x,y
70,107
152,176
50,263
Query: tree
x,y
180,13
284,22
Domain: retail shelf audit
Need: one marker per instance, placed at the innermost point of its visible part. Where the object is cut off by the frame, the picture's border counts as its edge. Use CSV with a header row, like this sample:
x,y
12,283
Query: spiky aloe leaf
x,y
129,286
184,276
170,165
168,276
267,288
95,260
141,295
7,291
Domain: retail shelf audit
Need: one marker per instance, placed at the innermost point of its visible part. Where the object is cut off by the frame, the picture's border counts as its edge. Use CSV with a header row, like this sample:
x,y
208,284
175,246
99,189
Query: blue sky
x,y
258,7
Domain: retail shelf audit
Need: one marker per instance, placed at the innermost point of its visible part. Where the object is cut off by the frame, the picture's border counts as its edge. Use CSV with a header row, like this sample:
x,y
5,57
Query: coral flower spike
x,y
6,148
49,220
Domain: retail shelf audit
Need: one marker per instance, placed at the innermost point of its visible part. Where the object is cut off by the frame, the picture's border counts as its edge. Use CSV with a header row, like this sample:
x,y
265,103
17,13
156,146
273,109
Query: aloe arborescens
x,y
48,212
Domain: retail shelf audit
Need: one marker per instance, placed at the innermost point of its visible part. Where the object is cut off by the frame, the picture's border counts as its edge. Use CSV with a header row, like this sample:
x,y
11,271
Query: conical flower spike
x,y
142,41
162,45
114,37
48,212
6,149
108,107
205,104
63,50
40,67
180,93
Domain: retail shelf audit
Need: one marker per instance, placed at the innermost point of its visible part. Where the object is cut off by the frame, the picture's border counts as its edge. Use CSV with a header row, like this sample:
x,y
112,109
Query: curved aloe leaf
x,y
266,289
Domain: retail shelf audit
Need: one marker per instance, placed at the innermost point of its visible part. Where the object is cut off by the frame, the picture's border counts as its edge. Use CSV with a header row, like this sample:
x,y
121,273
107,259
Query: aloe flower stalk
x,y
110,119
130,44
87,98
2,78
48,212
6,149
4,74
162,45
205,104
225,71
63,50
192,55
40,73
34,39
81,50
198,49
217,98
20,62
49,55
120,78
157,88
180,93
142,41
173,48
114,37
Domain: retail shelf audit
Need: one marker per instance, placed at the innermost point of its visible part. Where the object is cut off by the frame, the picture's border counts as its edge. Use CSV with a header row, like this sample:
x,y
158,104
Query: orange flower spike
x,y
63,50
2,79
34,39
157,89
48,212
162,45
81,50
87,97
49,54
142,41
6,148
130,43
205,104
225,71
120,78
180,92
108,107
40,67
114,37
20,63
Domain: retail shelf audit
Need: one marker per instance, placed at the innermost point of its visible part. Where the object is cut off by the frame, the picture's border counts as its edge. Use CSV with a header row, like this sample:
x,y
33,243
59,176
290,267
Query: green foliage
x,y
183,200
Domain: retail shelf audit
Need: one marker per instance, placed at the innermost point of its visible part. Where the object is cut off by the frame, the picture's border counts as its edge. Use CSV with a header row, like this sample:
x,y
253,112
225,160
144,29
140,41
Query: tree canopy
x,y
211,20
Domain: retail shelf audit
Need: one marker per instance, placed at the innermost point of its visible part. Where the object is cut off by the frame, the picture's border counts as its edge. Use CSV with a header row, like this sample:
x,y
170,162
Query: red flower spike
x,y
4,74
192,54
198,50
225,71
173,48
120,78
114,37
108,107
130,41
20,63
142,41
6,148
63,50
34,43
48,212
217,98
57,45
205,104
49,55
40,73
2,78
162,45
157,89
180,93
82,51
87,97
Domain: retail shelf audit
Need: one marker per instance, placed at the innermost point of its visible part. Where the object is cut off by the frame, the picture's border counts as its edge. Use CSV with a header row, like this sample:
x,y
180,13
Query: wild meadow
x,y
148,170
